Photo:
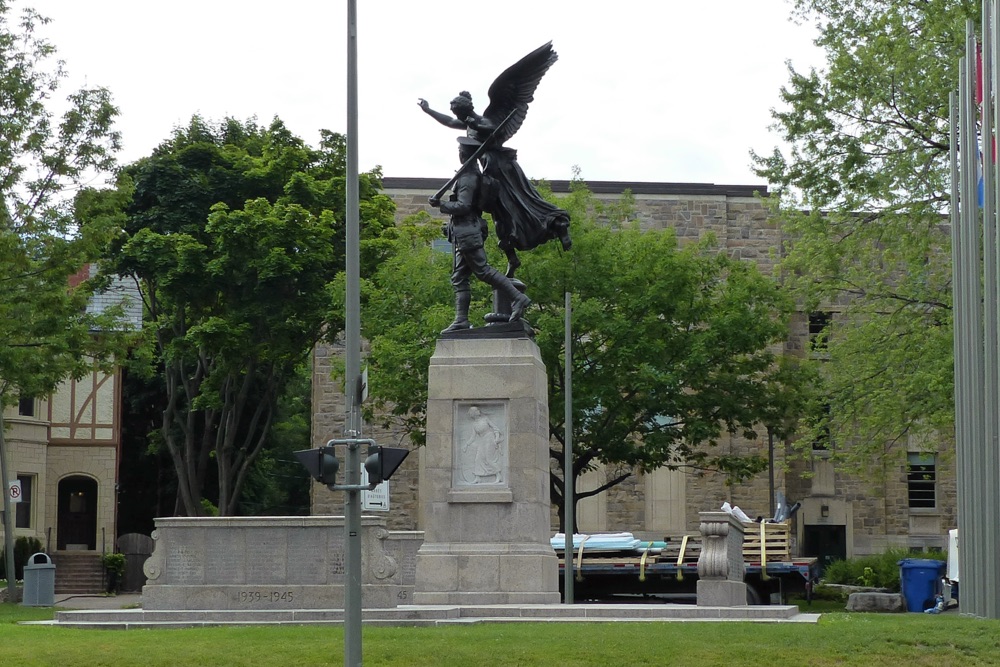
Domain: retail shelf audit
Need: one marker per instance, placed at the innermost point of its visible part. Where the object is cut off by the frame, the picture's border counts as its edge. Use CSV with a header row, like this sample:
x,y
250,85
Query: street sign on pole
x,y
376,499
14,491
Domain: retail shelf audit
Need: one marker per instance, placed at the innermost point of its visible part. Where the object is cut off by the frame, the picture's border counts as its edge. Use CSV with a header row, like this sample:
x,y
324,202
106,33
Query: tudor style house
x,y
64,449
839,516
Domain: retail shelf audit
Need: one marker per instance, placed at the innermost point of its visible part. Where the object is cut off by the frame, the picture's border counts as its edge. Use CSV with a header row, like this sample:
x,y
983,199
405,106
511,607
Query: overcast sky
x,y
644,90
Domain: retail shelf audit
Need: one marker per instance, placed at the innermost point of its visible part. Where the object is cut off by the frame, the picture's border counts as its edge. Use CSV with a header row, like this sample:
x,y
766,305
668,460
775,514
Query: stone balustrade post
x,y
720,565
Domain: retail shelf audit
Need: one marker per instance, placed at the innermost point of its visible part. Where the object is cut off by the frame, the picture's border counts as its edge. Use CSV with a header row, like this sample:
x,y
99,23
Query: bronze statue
x,y
467,231
523,219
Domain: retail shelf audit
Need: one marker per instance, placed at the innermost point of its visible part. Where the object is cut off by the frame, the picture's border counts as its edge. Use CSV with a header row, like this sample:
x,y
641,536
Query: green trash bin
x,y
39,581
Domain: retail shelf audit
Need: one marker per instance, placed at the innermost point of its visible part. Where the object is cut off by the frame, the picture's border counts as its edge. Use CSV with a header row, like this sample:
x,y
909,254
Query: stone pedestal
x,y
484,477
720,566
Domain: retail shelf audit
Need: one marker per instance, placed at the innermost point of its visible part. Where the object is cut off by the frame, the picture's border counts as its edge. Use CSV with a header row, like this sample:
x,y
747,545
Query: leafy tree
x,y
47,333
863,188
670,344
234,232
278,484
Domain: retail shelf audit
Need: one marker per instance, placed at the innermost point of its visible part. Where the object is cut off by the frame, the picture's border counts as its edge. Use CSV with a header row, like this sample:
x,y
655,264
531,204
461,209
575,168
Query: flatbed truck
x,y
668,570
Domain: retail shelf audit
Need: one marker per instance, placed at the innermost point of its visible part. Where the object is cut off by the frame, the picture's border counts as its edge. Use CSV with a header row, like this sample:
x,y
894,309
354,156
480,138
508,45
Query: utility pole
x,y
352,359
8,517
569,515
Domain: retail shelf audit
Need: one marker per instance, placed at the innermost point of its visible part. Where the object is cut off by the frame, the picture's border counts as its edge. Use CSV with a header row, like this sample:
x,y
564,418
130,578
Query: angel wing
x,y
515,88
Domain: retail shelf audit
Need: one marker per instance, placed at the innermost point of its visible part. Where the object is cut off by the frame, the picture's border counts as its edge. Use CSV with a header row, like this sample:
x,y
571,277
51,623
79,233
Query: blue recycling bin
x,y
920,580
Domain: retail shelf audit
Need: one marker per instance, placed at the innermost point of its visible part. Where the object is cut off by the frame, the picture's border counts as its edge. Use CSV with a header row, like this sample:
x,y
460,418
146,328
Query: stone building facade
x,y
839,516
64,449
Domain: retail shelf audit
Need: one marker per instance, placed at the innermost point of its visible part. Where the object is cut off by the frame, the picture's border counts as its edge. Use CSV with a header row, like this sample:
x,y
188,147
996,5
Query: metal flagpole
x,y
974,540
991,460
967,529
975,259
959,308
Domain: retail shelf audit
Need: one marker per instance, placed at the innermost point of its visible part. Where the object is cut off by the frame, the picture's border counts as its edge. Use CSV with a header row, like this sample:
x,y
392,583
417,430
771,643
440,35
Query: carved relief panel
x,y
480,448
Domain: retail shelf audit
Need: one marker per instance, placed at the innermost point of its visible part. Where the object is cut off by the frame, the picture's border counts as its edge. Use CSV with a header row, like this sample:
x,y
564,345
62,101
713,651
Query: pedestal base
x,y
721,593
479,574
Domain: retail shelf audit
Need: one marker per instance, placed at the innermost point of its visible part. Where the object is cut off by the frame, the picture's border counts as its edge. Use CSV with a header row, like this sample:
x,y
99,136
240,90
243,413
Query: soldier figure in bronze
x,y
467,231
523,219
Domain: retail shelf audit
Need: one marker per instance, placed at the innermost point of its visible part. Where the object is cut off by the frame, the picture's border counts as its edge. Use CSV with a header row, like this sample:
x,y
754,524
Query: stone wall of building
x,y
95,462
329,415
26,440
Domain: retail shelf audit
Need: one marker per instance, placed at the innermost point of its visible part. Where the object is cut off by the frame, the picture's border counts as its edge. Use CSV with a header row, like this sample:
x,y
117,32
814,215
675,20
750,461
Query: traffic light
x,y
321,462
382,462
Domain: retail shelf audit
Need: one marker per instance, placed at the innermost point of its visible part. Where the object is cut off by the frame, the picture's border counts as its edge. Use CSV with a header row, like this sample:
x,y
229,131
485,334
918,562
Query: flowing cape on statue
x,y
523,219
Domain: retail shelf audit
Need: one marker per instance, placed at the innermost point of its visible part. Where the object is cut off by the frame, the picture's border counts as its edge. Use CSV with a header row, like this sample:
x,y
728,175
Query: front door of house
x,y
77,527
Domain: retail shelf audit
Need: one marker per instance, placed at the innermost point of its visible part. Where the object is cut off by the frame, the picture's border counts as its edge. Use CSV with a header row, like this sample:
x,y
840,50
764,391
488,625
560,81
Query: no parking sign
x,y
14,491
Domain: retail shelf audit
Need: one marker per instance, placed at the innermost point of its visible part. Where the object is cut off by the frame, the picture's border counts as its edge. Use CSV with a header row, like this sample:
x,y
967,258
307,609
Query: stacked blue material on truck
x,y
606,543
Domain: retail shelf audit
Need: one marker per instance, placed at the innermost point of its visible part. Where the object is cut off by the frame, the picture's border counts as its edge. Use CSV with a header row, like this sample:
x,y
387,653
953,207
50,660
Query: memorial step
x,y
414,615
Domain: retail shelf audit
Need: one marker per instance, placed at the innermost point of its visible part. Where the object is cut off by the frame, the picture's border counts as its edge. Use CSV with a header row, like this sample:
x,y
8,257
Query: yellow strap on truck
x,y
680,558
763,552
579,559
642,563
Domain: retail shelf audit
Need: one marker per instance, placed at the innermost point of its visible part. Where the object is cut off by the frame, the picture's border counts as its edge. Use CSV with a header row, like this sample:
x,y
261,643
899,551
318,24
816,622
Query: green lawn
x,y
866,640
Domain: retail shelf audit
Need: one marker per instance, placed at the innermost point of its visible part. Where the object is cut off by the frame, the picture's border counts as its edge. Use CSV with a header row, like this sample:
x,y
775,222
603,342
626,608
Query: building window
x,y
819,323
822,440
920,477
26,406
22,509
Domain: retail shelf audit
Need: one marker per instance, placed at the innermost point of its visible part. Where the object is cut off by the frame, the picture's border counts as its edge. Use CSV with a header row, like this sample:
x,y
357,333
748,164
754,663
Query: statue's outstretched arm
x,y
444,119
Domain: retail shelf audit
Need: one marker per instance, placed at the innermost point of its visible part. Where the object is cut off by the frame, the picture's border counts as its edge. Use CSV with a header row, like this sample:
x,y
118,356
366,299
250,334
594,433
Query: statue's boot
x,y
462,300
518,305
518,302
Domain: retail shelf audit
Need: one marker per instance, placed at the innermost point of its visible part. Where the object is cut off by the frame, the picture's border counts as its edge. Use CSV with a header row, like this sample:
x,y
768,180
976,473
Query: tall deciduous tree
x,y
46,333
864,186
671,346
234,232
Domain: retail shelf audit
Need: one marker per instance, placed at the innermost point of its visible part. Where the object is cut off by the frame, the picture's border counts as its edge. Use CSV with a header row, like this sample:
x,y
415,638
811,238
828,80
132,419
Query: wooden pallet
x,y
776,542
681,551
777,545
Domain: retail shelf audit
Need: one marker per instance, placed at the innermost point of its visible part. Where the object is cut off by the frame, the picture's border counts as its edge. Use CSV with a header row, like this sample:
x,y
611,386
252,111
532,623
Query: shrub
x,y
24,548
114,563
878,570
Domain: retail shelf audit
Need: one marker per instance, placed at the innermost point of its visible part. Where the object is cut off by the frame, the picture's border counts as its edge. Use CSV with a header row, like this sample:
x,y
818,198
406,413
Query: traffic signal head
x,y
382,462
321,462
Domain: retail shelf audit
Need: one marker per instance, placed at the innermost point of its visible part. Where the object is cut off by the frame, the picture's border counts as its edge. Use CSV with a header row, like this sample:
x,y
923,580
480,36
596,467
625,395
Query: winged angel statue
x,y
523,219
